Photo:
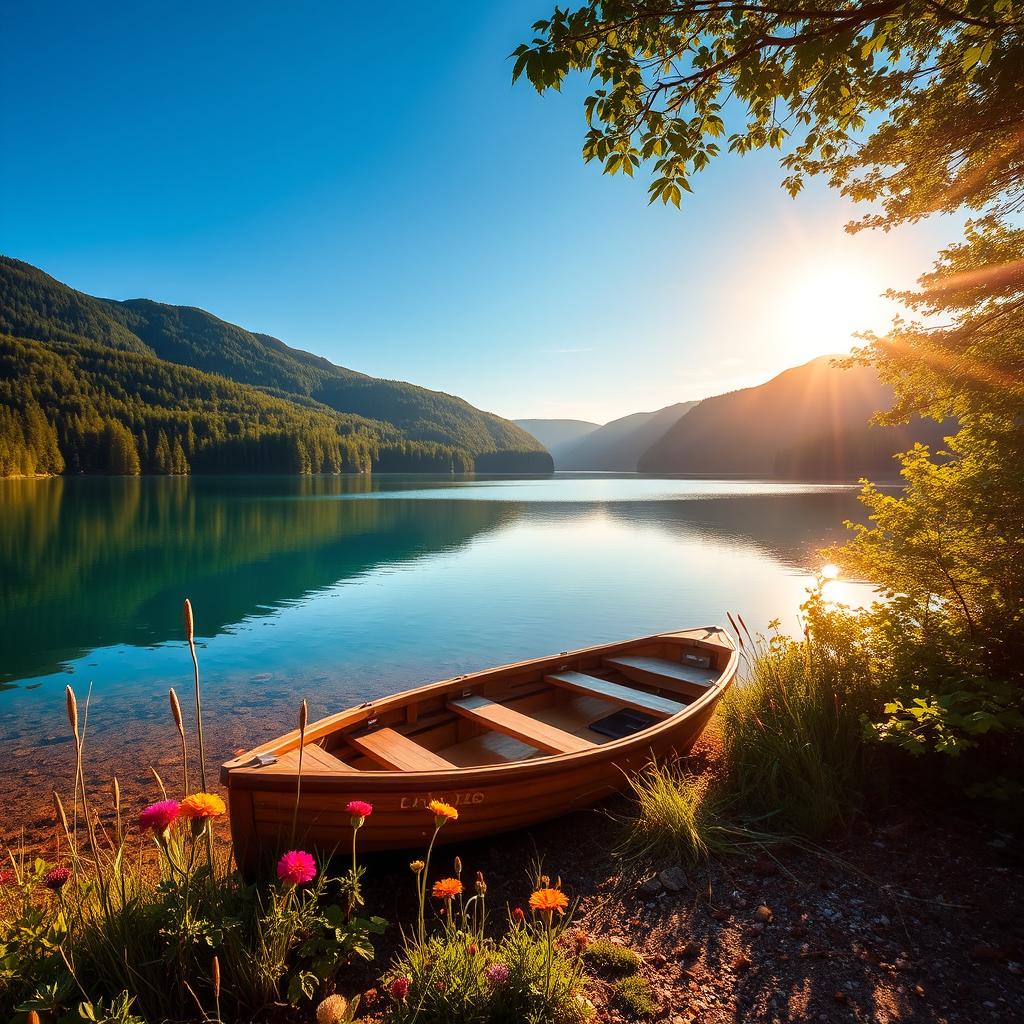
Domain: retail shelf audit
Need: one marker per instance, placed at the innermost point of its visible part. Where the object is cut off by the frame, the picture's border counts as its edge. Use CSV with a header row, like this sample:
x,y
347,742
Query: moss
x,y
634,997
610,958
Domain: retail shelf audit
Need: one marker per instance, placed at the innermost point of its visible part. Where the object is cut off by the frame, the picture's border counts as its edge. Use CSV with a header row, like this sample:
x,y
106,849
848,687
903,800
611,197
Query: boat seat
x,y
521,727
665,674
393,750
638,700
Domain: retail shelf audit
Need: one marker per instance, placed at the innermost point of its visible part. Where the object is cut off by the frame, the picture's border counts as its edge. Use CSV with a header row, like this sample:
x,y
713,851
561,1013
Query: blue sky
x,y
367,184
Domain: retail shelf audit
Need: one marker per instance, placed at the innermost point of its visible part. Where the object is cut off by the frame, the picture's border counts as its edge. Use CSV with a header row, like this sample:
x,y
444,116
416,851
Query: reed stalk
x,y
179,723
159,781
216,987
115,792
303,720
191,638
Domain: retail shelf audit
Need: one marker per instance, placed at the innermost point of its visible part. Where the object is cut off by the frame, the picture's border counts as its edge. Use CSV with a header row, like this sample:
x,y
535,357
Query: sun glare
x,y
823,306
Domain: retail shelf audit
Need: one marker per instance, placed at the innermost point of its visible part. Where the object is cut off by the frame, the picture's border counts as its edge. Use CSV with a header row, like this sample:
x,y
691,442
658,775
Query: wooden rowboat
x,y
507,747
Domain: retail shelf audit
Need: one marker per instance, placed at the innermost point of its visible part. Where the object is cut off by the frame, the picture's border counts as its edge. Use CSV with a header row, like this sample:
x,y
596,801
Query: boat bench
x,y
638,700
666,675
521,727
398,752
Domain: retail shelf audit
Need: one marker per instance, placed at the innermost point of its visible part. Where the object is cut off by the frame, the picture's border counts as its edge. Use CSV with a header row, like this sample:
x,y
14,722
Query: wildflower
x,y
333,1010
458,866
399,988
296,867
442,812
416,866
56,878
549,900
158,818
446,889
481,885
6,877
202,805
440,986
580,939
369,997
496,974
518,914
359,811
471,949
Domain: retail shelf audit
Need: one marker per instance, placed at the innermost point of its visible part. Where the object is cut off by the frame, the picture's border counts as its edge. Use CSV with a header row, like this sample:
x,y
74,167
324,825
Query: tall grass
x,y
794,751
794,759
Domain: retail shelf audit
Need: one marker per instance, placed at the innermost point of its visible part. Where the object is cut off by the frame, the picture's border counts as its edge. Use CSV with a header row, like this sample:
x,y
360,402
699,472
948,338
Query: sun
x,y
821,307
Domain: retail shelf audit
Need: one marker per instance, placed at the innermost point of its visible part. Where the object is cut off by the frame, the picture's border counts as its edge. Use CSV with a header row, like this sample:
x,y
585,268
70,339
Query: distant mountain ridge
x,y
809,422
556,435
36,310
615,447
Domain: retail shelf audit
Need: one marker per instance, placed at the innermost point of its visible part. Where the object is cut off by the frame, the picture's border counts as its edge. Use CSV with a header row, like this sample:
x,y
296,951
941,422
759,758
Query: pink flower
x,y
56,878
159,817
399,988
296,867
496,974
359,810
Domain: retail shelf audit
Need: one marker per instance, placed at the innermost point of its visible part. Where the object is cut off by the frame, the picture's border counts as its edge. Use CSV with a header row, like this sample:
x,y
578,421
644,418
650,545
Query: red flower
x,y
518,914
6,877
399,988
56,878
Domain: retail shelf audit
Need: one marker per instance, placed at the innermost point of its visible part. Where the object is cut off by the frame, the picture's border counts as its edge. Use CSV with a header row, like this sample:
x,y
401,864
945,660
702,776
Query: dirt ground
x,y
916,913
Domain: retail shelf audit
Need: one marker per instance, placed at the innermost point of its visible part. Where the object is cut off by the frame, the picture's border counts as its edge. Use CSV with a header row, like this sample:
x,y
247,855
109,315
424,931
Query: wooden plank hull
x,y
491,798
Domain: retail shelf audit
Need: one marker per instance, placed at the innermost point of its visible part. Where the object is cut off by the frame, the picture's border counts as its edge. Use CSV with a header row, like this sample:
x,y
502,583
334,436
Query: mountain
x,y
557,434
147,368
810,422
615,447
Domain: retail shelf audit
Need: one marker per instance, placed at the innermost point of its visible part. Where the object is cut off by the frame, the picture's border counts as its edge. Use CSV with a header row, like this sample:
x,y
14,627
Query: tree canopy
x,y
915,105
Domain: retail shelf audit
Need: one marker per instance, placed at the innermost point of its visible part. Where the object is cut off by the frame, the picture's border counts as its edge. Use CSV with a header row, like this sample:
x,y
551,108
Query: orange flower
x,y
442,812
549,900
202,805
447,889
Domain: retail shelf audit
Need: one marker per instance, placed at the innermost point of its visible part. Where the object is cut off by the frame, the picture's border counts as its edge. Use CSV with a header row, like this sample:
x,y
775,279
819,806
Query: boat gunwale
x,y
386,778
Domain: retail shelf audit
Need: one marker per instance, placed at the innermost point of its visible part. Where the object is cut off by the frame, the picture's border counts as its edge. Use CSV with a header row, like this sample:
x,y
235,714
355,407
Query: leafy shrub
x,y
611,958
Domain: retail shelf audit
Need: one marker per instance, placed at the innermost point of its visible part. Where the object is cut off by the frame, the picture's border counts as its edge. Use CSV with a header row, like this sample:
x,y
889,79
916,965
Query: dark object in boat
x,y
622,723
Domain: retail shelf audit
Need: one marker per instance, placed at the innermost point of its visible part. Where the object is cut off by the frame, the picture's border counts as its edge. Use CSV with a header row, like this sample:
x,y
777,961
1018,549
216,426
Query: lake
x,y
338,589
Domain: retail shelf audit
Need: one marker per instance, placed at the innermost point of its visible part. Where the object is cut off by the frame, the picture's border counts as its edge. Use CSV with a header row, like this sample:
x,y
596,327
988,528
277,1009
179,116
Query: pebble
x,y
673,878
652,886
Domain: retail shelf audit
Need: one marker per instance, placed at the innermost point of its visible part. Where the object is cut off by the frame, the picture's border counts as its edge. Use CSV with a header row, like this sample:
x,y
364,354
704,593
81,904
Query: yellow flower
x,y
202,805
333,1010
442,812
417,866
446,889
549,900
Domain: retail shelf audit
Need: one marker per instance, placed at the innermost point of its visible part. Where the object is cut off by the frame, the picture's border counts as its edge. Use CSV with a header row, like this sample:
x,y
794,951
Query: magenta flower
x,y
56,878
496,974
296,867
359,811
158,818
399,988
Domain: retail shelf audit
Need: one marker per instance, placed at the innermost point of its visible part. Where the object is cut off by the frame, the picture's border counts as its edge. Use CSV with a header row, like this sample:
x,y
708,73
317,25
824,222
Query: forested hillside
x,y
93,385
811,422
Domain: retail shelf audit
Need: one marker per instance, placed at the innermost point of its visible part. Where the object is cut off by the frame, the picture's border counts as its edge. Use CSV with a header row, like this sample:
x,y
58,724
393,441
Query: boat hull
x,y
490,799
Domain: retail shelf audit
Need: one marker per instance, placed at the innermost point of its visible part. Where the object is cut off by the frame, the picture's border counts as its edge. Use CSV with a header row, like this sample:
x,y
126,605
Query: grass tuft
x,y
610,958
634,997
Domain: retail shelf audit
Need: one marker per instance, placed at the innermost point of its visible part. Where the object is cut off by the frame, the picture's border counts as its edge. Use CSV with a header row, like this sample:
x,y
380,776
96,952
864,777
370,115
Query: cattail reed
x,y
216,986
72,705
303,720
190,636
179,722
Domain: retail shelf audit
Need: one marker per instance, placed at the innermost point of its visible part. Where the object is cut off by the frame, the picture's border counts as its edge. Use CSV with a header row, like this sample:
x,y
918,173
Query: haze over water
x,y
338,589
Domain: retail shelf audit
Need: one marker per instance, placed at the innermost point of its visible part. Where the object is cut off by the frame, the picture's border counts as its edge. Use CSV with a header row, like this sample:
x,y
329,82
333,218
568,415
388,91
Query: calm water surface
x,y
340,589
